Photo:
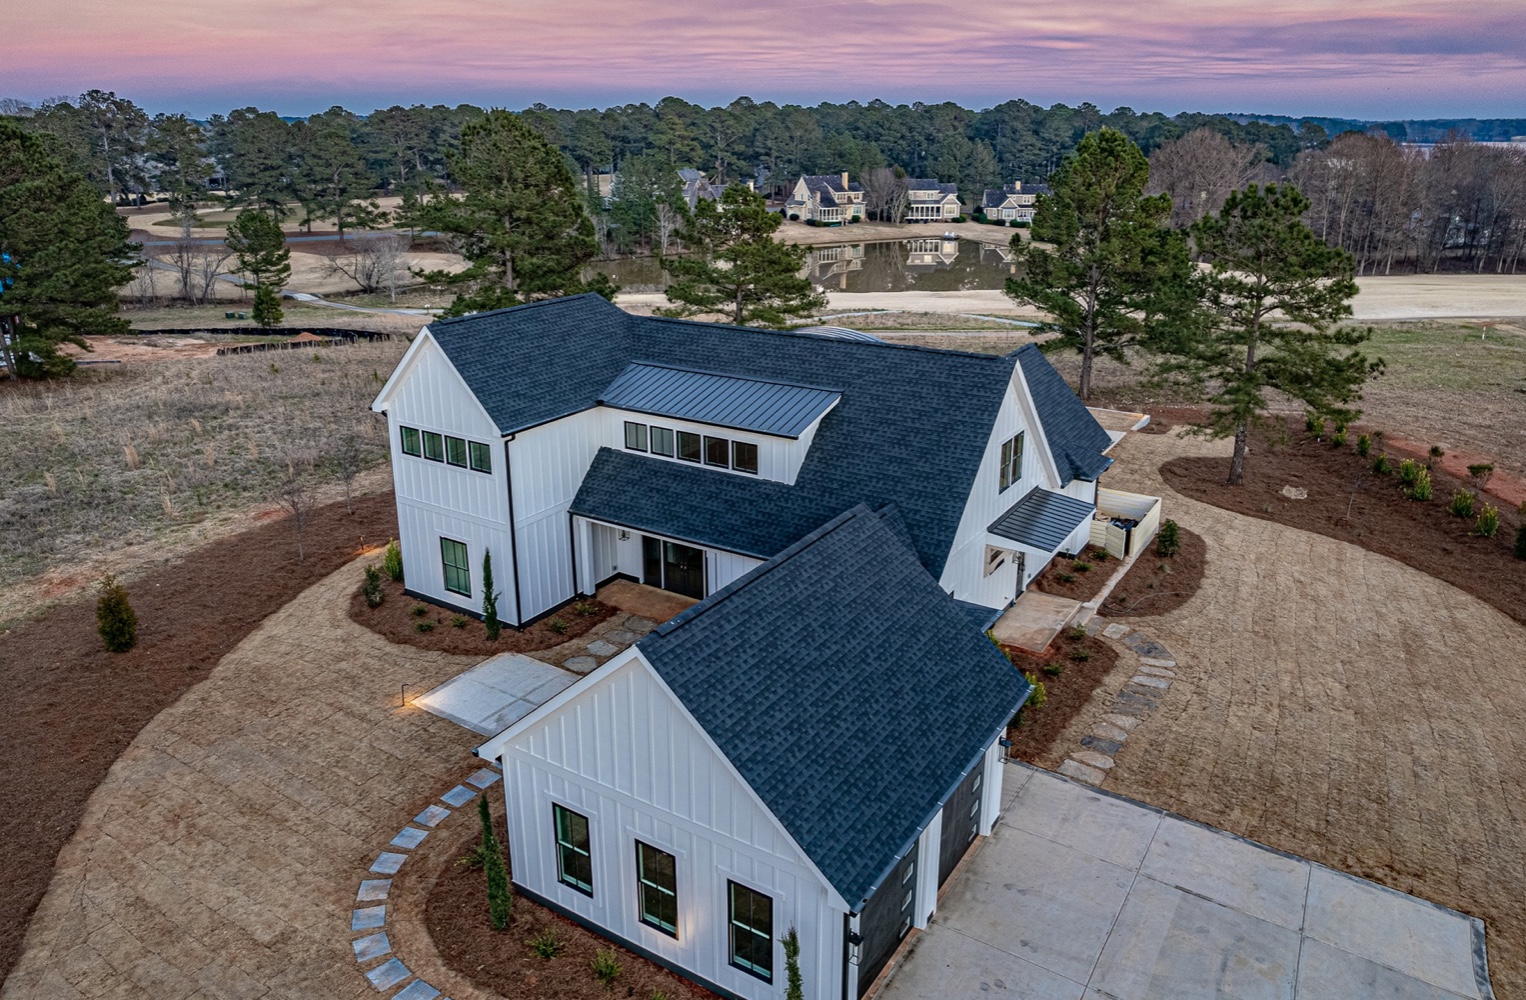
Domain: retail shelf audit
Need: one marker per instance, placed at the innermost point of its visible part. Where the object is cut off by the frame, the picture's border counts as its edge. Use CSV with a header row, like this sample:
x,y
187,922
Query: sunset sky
x,y
1350,58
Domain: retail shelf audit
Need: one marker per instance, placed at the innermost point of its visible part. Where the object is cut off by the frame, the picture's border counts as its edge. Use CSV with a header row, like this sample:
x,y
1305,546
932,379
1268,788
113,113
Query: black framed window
x,y
752,930
657,885
411,441
458,574
482,457
662,441
574,859
455,451
635,436
718,452
688,446
434,447
1011,461
744,457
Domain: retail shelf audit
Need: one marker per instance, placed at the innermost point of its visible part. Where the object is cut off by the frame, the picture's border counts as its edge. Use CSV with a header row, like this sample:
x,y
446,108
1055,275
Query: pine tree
x,y
63,254
115,619
489,599
500,898
267,306
738,268
259,249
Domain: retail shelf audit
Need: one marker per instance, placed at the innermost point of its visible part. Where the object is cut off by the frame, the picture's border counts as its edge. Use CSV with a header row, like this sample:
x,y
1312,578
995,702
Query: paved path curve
x,y
219,858
1339,705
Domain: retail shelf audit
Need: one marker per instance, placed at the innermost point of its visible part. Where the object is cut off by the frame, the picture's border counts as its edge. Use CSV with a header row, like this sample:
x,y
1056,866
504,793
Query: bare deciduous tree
x,y
668,223
296,497
197,265
375,263
348,461
885,197
1199,170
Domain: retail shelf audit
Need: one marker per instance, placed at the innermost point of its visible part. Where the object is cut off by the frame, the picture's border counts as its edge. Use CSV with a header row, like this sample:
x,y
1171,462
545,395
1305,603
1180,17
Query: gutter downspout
x,y
508,475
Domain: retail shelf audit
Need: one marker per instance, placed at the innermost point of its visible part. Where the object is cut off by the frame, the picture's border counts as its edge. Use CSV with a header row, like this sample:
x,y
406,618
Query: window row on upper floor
x,y
689,446
456,451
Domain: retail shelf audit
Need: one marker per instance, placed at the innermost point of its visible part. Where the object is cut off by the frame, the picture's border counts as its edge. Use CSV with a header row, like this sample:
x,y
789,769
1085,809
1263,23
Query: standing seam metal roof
x,y
1042,519
762,405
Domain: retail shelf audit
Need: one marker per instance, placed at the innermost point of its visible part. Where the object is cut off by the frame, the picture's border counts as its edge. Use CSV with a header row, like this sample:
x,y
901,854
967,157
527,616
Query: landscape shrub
x,y
1409,472
1081,567
794,983
419,610
267,307
1338,439
546,944
1054,668
1065,577
489,599
1363,445
1421,490
458,621
1461,504
1480,473
392,561
958,218
1075,633
115,619
1080,655
585,608
606,965
1382,466
1039,695
1488,521
372,589
500,899
1168,542
558,625
1436,452
424,626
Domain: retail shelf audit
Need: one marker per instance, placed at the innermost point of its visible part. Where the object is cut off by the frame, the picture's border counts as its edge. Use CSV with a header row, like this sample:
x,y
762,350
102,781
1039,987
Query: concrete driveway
x,y
1083,895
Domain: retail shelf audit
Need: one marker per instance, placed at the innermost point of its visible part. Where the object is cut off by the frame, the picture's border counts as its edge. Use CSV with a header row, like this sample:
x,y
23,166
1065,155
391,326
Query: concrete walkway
x,y
1034,619
1081,895
495,694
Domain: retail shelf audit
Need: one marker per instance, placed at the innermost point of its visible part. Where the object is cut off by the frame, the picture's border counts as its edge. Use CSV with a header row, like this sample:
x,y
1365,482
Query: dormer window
x,y
1011,461
635,436
662,441
688,446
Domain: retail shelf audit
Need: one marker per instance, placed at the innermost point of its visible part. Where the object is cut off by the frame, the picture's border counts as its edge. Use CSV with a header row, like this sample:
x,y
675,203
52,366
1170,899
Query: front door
x,y
961,821
886,920
671,566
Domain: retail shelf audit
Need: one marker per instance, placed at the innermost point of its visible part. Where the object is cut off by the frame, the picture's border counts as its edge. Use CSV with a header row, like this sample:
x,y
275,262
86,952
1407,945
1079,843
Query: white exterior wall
x,y
624,753
611,555
779,458
435,499
548,464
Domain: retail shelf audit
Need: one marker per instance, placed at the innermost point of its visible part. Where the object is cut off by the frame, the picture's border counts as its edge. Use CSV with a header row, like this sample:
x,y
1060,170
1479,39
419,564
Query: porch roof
x,y
1042,519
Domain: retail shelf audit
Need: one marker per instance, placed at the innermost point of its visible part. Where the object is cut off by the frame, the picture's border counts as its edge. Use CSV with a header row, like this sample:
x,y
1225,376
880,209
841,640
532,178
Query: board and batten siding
x,y
547,465
621,751
610,555
779,458
436,500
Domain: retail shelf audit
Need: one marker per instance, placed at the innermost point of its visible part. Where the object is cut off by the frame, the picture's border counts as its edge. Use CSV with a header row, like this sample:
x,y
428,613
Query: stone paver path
x,y
1341,706
220,857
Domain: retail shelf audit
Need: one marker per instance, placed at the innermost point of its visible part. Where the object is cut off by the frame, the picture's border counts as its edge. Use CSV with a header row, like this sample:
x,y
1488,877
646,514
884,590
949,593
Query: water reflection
x,y
940,263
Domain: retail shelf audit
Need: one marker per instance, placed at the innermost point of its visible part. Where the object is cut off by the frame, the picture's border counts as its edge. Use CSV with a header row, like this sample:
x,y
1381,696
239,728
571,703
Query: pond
x,y
929,264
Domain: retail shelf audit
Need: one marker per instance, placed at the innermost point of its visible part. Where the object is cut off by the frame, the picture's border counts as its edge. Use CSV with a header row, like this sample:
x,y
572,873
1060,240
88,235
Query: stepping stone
x,y
1158,672
1116,631
368,918
601,648
458,797
581,664
1079,771
1124,722
371,946
1156,661
483,778
1148,681
621,637
1150,649
416,990
639,625
1107,731
1094,626
432,816
388,974
1100,745
1101,762
387,863
373,889
410,838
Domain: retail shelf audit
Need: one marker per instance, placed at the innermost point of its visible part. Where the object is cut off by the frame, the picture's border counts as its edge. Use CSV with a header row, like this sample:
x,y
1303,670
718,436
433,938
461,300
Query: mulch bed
x,y
1155,584
503,962
71,708
1350,502
397,620
1083,583
1067,693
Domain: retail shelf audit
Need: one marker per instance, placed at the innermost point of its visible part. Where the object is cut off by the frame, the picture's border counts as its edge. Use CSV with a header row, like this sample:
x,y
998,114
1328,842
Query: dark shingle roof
x,y
1075,438
762,405
911,428
1042,519
930,184
846,688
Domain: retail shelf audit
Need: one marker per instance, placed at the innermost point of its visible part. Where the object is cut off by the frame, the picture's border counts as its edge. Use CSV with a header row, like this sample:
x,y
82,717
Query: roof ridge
x,y
554,300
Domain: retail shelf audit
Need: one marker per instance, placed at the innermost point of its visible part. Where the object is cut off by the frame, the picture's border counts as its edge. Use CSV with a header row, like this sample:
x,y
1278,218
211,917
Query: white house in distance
x,y
815,746
578,443
929,200
827,198
1011,202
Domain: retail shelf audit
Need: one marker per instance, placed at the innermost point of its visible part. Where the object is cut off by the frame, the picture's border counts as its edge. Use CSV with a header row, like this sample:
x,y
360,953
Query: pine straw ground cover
x,y
1079,579
1070,670
71,708
122,456
1156,584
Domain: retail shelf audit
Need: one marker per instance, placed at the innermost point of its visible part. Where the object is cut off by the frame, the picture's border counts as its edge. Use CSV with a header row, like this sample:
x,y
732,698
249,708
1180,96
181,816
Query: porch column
x,y
582,558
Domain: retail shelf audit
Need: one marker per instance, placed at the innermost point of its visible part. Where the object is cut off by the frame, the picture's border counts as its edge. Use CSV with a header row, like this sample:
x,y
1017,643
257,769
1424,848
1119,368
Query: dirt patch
x,y
1348,501
504,963
1156,584
1079,579
400,615
1083,664
71,708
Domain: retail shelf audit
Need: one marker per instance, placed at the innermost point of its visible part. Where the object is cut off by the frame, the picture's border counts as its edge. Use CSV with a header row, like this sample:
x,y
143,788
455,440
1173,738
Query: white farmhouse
x,y
577,443
826,198
1011,202
814,747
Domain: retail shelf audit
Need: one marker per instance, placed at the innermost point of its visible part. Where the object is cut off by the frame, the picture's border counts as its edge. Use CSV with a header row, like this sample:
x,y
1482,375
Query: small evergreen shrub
x,y
1075,633
1080,655
585,608
115,619
794,988
1168,541
500,900
372,588
458,621
1054,668
1338,439
558,625
1461,504
1488,521
1436,452
1382,465
419,611
1081,567
1101,555
1039,695
1409,472
606,965
546,944
392,561
424,626
1421,490
1363,445
1480,473
489,599
1065,577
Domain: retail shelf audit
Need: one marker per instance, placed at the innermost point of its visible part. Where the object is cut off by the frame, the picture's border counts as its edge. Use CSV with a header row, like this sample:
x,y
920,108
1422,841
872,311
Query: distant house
x,y
697,188
826,198
815,746
1012,202
929,200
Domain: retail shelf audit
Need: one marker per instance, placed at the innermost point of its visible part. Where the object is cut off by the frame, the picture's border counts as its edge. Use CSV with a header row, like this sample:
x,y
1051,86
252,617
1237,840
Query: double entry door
x,y
671,566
